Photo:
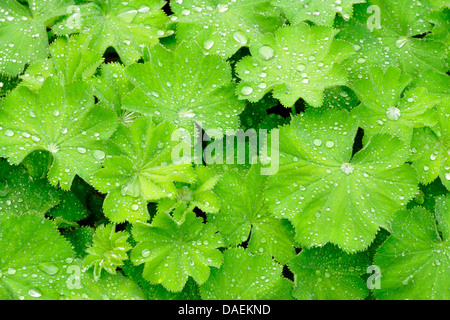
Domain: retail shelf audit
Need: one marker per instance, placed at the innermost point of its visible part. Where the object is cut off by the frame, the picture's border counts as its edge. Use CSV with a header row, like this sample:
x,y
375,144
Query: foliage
x,y
224,149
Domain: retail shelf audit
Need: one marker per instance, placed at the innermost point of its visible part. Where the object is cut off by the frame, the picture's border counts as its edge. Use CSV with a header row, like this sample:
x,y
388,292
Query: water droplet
x,y
48,268
145,253
361,60
127,16
98,154
9,133
240,37
317,142
401,42
246,90
11,271
266,52
34,292
81,150
134,207
208,44
393,113
222,8
347,168
329,144
301,67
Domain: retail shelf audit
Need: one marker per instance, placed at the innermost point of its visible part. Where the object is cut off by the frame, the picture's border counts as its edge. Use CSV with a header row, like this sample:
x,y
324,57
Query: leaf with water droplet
x,y
144,172
414,260
108,250
432,147
178,250
336,270
215,22
326,193
244,214
200,195
120,25
281,57
72,58
402,39
23,35
321,12
201,90
386,107
246,276
25,194
79,126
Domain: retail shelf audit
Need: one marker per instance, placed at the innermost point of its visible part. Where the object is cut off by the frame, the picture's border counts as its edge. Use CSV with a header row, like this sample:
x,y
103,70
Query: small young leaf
x,y
173,251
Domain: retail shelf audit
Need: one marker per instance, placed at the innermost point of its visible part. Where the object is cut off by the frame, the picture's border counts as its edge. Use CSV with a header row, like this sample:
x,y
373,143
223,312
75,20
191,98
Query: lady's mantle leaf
x,y
111,87
185,87
173,251
127,26
244,276
414,261
36,262
399,26
386,108
328,273
20,193
297,62
321,12
223,26
244,215
144,172
108,250
430,147
330,196
199,195
23,34
62,120
71,58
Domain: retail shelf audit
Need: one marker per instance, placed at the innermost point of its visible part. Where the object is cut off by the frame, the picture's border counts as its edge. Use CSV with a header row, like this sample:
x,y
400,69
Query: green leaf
x,y
330,196
62,120
80,238
111,87
70,209
329,273
387,109
321,12
108,251
71,59
296,62
244,276
244,216
20,193
185,87
23,34
158,292
200,195
414,261
439,4
36,262
128,26
401,24
144,172
431,148
369,52
222,26
175,250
